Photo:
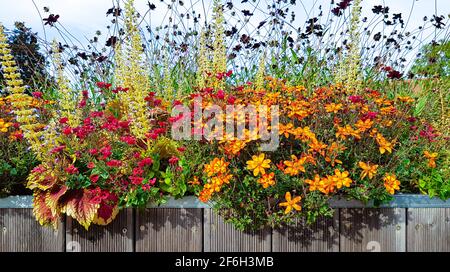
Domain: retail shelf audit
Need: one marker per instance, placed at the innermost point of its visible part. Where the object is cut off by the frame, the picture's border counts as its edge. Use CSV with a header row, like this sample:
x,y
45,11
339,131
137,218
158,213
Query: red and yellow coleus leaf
x,y
42,211
52,199
81,206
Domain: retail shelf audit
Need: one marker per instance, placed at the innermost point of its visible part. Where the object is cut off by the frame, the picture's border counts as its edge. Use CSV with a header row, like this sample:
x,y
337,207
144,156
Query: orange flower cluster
x,y
217,171
329,183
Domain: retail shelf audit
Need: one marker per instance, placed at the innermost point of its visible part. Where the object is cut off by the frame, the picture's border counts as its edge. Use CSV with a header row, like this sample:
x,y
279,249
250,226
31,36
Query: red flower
x,y
103,85
94,178
181,148
64,120
106,151
114,163
220,94
356,99
91,165
231,99
71,169
136,180
58,149
93,151
138,171
137,155
128,139
145,162
85,93
37,94
229,73
174,160
67,131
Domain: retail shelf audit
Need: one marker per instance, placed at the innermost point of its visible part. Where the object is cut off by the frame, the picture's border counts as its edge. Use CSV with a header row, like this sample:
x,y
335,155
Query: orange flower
x,y
258,164
384,144
313,184
344,132
327,185
431,158
364,125
332,107
285,129
368,169
341,178
391,183
291,203
194,181
294,166
216,166
267,180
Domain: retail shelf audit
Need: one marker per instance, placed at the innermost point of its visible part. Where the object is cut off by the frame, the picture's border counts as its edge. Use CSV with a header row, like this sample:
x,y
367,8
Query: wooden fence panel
x,y
115,237
428,230
20,232
169,230
223,237
373,230
322,236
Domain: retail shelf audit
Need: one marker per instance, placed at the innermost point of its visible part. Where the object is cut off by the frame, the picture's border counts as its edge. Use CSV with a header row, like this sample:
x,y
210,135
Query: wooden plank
x,y
322,236
169,230
115,237
428,230
373,230
223,237
20,232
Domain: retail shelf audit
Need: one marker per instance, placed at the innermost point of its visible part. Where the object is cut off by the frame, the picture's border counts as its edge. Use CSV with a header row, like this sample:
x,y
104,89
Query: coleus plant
x,y
99,166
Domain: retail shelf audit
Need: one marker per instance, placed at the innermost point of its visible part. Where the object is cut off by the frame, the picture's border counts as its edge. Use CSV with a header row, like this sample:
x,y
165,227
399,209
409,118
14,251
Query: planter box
x,y
409,223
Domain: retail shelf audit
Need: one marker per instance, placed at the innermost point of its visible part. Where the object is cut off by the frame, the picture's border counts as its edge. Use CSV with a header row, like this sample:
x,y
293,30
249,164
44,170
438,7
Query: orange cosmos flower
x,y
364,125
431,158
267,180
294,166
258,164
285,129
368,169
216,166
313,184
341,178
327,185
291,203
332,107
384,144
391,183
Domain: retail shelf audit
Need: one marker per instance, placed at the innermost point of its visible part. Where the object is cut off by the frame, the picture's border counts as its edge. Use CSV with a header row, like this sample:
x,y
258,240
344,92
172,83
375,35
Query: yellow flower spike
x,y
258,164
291,203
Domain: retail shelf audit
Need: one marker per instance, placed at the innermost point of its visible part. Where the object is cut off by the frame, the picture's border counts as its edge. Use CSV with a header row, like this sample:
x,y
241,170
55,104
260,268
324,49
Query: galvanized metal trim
x,y
192,202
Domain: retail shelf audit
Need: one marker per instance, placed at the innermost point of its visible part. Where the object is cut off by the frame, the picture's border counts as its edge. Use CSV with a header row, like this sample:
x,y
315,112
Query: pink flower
x,y
114,163
128,139
93,151
94,178
220,94
91,165
138,171
174,160
58,149
145,162
106,151
71,169
136,180
137,155
37,94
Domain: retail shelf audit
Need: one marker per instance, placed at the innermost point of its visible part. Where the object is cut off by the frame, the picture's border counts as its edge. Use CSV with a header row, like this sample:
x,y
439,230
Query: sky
x,y
83,17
